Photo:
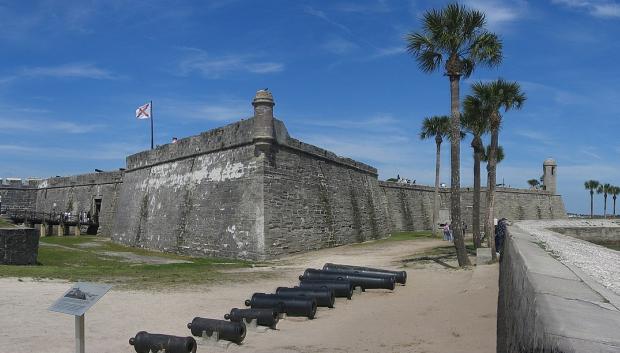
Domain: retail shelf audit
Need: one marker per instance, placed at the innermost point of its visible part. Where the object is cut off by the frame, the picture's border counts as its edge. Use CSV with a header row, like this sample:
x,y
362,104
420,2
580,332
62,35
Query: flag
x,y
144,112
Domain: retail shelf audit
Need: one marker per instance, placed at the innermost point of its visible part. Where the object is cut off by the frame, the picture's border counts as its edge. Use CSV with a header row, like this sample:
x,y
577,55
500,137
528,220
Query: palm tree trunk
x,y
436,201
491,180
604,206
614,206
591,204
455,165
476,210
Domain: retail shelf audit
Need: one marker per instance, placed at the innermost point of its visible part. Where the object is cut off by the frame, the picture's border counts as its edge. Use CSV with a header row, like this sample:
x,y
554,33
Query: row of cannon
x,y
317,288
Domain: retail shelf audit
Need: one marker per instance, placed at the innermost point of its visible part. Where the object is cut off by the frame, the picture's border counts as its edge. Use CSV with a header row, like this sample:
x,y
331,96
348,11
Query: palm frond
x,y
435,126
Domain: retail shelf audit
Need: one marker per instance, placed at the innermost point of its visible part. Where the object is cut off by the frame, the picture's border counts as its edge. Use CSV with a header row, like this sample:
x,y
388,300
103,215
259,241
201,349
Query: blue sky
x,y
73,72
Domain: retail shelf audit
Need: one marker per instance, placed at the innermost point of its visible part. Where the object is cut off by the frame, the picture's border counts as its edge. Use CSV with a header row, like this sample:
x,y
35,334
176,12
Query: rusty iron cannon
x,y
324,296
341,288
399,276
291,306
226,330
145,342
365,281
263,317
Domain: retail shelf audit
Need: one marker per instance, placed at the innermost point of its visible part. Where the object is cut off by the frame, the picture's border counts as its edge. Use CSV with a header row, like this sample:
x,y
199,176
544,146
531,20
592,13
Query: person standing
x,y
446,231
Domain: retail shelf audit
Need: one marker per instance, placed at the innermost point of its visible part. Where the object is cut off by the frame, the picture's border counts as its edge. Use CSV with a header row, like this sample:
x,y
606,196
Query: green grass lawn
x,y
64,258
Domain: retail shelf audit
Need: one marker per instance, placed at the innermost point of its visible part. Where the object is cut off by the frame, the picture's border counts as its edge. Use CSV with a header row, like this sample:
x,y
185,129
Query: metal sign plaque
x,y
77,300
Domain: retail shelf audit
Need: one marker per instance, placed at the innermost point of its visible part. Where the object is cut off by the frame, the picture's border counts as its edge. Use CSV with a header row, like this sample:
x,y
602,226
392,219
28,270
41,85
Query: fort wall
x,y
18,194
201,196
249,190
410,207
315,199
95,193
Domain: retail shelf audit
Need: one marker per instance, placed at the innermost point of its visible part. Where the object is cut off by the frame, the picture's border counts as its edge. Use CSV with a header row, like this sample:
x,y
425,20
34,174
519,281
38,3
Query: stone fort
x,y
249,190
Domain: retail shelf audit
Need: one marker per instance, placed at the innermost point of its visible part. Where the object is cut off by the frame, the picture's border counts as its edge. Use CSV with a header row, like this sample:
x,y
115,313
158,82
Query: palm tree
x,y
494,96
455,38
499,154
475,122
604,189
437,127
591,185
614,191
533,183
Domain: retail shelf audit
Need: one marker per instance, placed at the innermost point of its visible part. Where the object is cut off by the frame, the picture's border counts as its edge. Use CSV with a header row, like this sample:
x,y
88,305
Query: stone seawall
x,y
549,306
410,207
95,193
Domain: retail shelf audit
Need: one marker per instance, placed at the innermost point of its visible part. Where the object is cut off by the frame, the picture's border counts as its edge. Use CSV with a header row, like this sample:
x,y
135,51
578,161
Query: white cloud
x,y
535,135
8,125
225,110
339,46
73,70
597,8
499,13
320,14
389,51
209,66
108,151
379,6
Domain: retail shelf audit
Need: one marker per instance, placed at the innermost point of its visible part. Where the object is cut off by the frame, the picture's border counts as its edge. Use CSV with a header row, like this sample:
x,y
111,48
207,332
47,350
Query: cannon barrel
x,y
226,330
399,276
357,280
323,296
292,306
263,317
145,342
342,289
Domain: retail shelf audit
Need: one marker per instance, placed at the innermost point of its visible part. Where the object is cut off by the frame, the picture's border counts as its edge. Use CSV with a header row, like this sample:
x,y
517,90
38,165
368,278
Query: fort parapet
x,y
249,190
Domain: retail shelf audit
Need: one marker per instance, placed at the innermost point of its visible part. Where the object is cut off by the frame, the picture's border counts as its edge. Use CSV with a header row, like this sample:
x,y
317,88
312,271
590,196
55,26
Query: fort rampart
x,y
249,190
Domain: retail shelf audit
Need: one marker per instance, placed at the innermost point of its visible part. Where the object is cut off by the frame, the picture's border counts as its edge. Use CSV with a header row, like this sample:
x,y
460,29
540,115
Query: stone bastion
x,y
558,293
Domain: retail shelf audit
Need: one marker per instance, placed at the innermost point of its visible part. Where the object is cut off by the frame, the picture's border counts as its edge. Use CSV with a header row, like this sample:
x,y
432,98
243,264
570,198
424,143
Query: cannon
x,y
292,306
341,288
145,342
399,276
226,330
323,296
263,317
365,281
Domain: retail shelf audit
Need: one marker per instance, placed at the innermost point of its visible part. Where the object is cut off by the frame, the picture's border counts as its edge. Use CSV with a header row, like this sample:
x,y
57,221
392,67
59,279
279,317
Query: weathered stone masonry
x,y
95,193
410,207
248,190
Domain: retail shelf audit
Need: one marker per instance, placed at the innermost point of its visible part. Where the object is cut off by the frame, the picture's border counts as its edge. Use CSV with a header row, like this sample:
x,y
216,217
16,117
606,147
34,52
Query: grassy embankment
x,y
89,258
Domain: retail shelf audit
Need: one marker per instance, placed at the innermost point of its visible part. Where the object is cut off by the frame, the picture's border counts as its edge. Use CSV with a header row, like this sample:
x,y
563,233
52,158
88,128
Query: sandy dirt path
x,y
439,310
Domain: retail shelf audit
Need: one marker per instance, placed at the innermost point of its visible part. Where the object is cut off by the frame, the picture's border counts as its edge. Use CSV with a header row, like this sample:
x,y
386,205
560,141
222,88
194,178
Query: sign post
x,y
76,301
79,334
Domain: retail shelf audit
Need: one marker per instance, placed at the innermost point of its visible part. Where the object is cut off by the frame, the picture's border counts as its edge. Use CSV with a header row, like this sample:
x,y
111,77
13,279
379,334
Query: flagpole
x,y
151,124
